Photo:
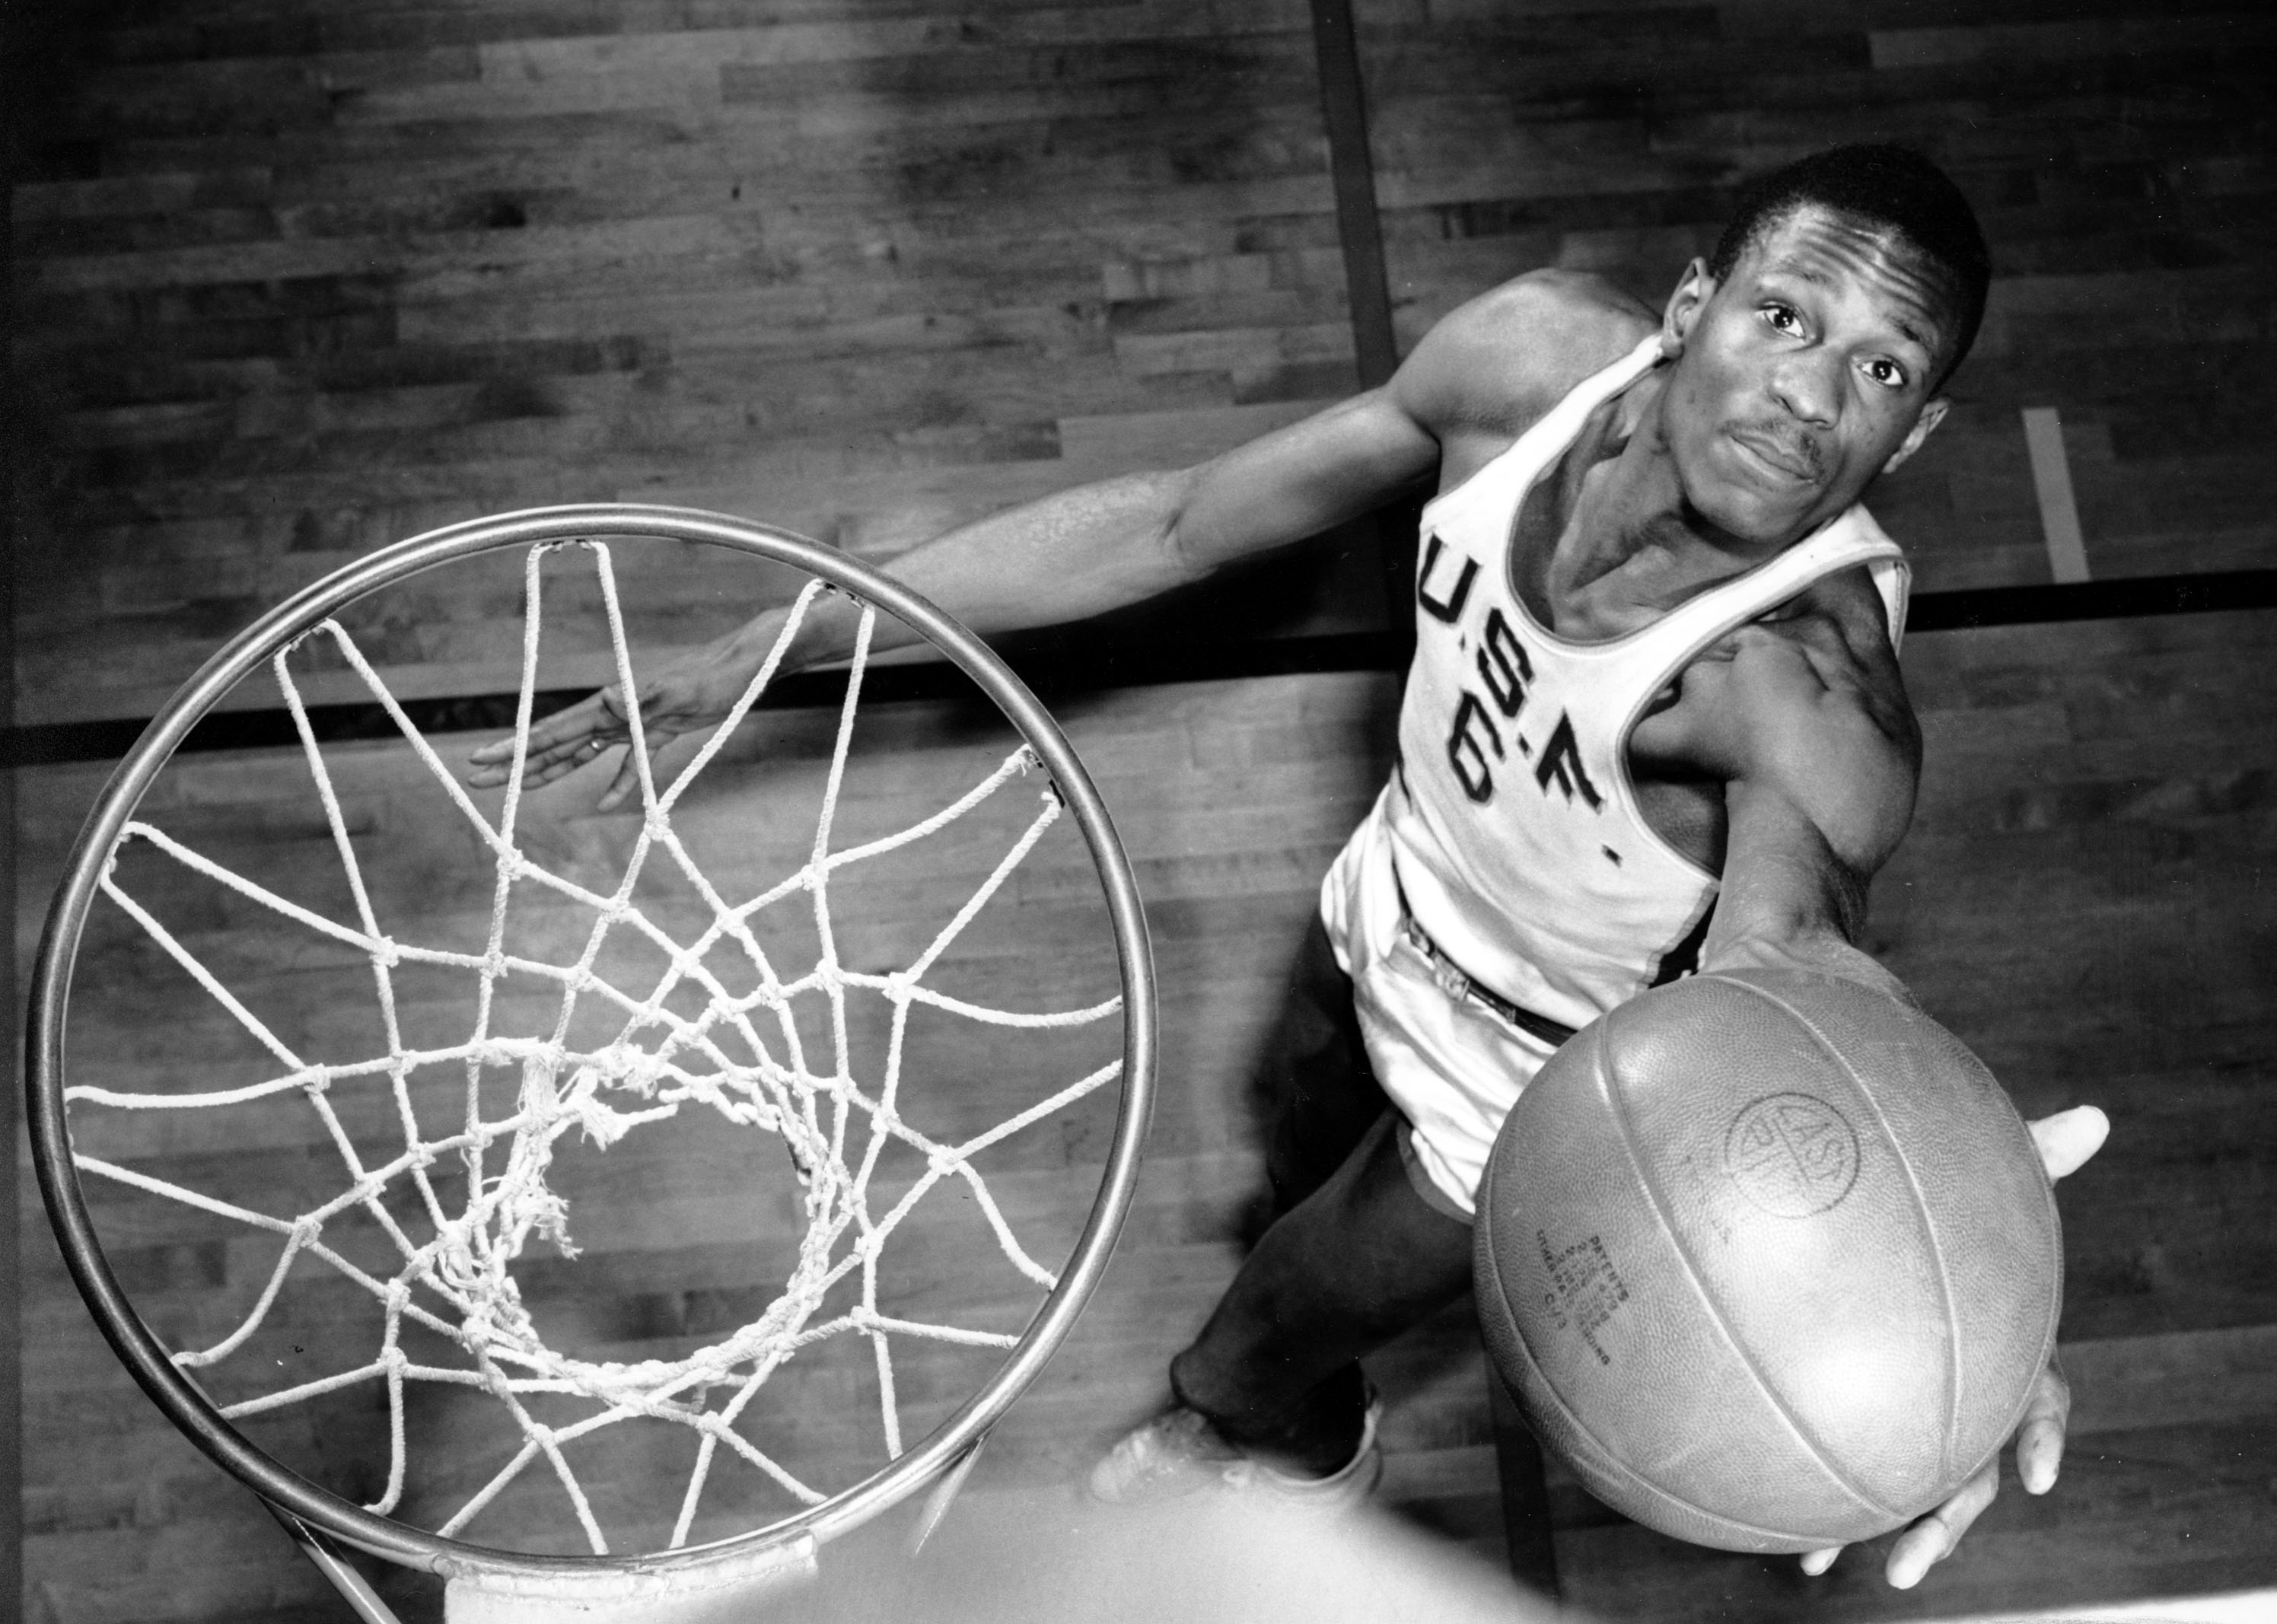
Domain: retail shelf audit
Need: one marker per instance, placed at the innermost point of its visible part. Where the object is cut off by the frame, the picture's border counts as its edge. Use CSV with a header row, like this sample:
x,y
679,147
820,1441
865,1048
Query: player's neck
x,y
1635,547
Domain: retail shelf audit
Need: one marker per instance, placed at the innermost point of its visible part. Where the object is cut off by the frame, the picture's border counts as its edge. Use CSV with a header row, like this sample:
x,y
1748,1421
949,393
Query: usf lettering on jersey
x,y
1505,671
1511,826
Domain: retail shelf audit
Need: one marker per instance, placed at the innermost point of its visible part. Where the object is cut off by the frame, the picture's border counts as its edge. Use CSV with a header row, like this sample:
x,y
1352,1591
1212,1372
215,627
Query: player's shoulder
x,y
1839,626
1498,361
1844,608
1806,699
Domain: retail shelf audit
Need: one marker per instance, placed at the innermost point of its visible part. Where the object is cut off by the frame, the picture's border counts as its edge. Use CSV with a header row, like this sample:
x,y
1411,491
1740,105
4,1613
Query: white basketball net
x,y
743,1057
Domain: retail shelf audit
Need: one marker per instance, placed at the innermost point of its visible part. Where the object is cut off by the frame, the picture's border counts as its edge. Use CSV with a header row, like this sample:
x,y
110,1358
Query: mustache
x,y
1783,443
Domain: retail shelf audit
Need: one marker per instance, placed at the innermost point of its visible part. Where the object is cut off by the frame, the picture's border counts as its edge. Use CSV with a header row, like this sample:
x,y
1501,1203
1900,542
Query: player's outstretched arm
x,y
1806,721
1067,557
1476,379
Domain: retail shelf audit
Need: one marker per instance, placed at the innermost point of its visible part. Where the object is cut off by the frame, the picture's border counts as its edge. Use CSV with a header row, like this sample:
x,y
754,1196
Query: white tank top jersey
x,y
1511,827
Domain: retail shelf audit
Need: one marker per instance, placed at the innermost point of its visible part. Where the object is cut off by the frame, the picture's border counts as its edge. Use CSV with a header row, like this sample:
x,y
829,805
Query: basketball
x,y
1769,1260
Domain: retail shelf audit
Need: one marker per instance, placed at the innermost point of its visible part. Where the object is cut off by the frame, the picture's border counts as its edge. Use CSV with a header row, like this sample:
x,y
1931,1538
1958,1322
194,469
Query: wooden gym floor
x,y
294,279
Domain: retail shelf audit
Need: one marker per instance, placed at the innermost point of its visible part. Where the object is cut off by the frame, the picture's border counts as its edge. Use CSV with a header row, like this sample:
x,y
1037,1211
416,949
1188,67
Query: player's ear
x,y
1932,414
1691,293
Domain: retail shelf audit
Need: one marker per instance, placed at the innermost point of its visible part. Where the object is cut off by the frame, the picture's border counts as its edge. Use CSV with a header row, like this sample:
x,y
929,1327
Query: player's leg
x,y
1320,1090
1318,1086
1314,1083
1363,1258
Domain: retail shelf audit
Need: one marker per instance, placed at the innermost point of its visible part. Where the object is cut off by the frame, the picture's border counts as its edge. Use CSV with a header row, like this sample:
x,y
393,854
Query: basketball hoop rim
x,y
181,1399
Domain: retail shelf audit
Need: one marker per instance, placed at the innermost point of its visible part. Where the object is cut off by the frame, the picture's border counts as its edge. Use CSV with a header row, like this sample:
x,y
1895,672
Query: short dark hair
x,y
1886,186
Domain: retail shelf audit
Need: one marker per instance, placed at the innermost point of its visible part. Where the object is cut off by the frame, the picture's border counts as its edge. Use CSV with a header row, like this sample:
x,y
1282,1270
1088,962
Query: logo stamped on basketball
x,y
1587,1289
1792,1154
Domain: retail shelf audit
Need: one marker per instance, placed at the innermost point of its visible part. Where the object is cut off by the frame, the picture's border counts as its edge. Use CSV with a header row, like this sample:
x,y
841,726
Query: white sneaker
x,y
1179,1452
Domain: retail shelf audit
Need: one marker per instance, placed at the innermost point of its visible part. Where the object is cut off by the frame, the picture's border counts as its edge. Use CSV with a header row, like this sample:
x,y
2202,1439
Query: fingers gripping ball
x,y
1769,1260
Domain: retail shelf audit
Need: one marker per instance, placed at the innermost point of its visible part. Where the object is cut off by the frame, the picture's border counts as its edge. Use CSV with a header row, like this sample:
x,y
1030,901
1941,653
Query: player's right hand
x,y
687,694
2065,1141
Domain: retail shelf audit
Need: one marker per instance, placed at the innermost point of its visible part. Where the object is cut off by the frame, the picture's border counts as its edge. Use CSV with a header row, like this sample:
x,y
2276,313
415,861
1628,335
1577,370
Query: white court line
x,y
2234,1607
2051,482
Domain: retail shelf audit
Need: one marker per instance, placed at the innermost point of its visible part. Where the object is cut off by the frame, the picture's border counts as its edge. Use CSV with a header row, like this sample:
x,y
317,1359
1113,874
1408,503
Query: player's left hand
x,y
2065,1140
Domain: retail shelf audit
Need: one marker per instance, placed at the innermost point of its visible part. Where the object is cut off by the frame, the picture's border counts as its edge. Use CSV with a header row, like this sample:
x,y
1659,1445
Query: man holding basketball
x,y
1656,723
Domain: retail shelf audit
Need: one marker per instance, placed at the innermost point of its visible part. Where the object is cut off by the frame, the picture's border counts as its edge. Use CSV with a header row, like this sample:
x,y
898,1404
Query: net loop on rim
x,y
742,1055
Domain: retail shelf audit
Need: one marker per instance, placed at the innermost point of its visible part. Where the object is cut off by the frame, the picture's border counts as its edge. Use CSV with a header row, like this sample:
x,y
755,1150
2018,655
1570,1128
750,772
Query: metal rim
x,y
147,1360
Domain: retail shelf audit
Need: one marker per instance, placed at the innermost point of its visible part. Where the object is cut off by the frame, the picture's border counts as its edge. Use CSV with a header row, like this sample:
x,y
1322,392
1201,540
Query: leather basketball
x,y
1769,1260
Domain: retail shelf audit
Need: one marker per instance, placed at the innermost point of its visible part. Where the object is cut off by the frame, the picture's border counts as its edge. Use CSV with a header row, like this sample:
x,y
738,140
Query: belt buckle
x,y
1451,980
1446,975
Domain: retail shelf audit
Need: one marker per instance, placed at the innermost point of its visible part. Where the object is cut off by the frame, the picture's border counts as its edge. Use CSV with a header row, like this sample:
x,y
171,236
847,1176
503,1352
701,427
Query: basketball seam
x,y
1921,1207
1715,1309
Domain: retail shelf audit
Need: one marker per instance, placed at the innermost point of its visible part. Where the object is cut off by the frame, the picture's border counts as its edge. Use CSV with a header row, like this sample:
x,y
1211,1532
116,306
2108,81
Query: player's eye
x,y
1783,318
1886,372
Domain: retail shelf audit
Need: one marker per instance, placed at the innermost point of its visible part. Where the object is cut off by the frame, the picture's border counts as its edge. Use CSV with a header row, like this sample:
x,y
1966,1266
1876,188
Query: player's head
x,y
1898,191
1811,344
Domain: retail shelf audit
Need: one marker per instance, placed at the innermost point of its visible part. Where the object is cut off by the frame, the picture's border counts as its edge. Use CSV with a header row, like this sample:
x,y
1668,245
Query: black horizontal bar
x,y
2127,599
1112,662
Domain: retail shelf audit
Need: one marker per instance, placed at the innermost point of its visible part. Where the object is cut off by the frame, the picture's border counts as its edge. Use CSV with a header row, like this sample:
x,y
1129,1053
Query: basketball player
x,y
1655,723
